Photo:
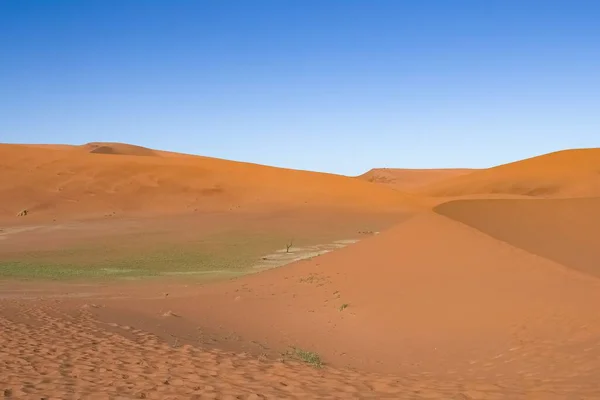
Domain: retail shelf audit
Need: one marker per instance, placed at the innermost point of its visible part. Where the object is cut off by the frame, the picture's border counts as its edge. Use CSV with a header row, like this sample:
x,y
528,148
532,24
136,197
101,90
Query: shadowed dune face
x,y
410,179
564,230
67,182
569,173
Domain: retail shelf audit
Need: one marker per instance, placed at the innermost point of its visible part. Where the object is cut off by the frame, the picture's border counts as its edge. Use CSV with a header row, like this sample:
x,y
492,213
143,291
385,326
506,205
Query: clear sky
x,y
328,85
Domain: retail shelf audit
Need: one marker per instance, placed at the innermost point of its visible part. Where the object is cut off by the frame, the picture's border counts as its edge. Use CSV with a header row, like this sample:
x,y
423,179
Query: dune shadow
x,y
562,230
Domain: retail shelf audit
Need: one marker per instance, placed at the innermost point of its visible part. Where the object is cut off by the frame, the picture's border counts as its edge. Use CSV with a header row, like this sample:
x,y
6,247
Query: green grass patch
x,y
307,357
160,252
212,257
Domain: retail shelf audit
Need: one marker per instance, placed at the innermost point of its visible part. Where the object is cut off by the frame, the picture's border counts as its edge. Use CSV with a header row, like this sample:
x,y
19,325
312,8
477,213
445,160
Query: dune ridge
x,y
69,182
566,173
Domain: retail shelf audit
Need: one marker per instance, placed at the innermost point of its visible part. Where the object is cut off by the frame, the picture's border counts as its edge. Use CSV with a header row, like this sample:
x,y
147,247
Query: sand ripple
x,y
49,354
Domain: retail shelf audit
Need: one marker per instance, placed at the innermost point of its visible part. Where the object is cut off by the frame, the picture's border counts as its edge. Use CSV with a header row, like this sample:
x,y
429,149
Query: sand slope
x,y
564,230
409,179
568,173
67,182
430,296
48,353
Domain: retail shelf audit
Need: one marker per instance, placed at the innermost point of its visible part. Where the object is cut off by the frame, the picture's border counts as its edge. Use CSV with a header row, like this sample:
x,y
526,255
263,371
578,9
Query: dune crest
x,y
68,182
567,173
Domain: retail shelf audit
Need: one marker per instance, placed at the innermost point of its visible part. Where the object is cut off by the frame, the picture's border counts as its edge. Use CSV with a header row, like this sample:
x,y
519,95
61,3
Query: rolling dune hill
x,y
471,299
567,173
98,178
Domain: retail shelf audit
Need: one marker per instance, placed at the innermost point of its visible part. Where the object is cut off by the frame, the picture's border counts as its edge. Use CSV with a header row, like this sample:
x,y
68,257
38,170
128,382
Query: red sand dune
x,y
410,179
429,296
568,173
70,182
438,296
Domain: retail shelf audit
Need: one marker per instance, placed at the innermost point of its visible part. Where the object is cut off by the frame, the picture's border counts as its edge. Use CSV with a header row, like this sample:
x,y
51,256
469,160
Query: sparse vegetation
x,y
157,253
344,306
314,278
308,357
23,213
308,279
221,257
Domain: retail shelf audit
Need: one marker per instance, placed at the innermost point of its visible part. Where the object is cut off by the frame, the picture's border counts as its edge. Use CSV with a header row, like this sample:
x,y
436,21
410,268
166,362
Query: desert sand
x,y
92,180
567,173
461,284
411,179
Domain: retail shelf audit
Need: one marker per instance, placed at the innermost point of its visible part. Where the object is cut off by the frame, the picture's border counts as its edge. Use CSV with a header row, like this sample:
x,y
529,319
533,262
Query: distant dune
x,y
568,173
119,149
72,181
409,179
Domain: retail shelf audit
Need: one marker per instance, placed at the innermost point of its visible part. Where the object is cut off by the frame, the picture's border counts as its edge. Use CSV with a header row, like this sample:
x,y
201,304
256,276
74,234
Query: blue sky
x,y
331,85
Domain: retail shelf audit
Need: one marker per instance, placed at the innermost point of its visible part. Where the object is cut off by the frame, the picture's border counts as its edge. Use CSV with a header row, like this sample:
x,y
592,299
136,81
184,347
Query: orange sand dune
x,y
447,311
430,297
437,301
568,173
68,182
564,230
410,179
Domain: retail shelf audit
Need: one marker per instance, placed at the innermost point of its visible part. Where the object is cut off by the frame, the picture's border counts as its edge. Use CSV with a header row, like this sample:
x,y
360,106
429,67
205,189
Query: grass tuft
x,y
308,357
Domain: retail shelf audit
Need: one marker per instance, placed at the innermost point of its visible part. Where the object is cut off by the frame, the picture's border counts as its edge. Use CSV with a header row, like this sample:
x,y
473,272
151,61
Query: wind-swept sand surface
x,y
50,354
475,299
